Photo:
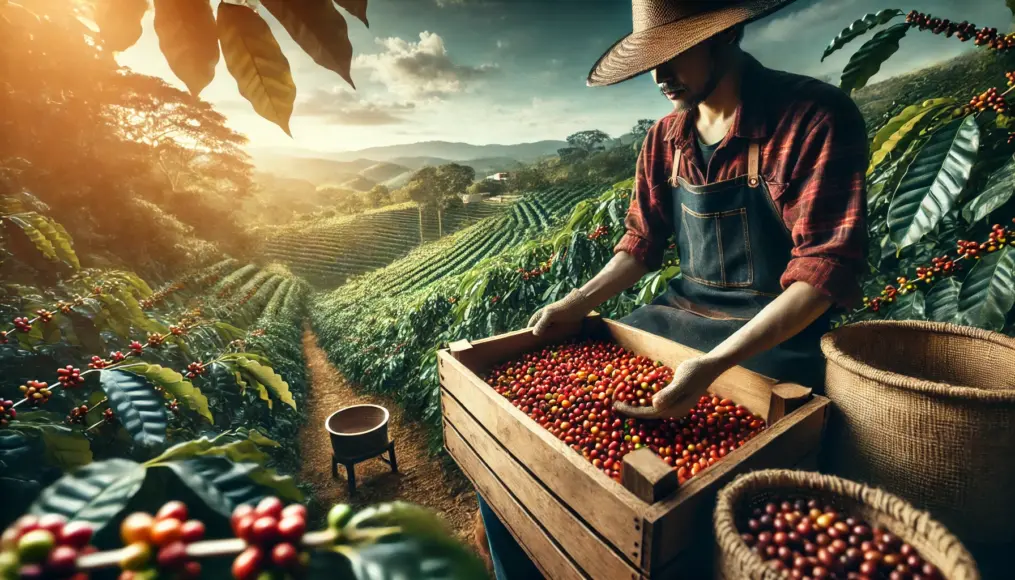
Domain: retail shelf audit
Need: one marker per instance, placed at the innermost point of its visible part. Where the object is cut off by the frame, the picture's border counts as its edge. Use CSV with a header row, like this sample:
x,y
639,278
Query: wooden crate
x,y
575,521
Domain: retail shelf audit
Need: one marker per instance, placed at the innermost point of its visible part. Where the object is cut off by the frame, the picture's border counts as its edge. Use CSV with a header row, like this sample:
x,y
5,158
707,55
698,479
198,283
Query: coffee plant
x,y
940,186
193,36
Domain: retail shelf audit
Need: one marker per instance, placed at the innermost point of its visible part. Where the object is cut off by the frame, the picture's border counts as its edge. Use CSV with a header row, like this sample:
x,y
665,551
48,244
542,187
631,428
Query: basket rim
x,y
833,352
382,424
917,521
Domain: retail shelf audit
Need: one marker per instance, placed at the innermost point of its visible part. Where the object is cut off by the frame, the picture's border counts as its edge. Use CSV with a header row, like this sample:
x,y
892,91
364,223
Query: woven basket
x,y
927,410
735,560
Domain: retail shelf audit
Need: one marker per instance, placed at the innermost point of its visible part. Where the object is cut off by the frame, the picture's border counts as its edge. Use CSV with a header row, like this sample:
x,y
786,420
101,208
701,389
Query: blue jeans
x,y
510,562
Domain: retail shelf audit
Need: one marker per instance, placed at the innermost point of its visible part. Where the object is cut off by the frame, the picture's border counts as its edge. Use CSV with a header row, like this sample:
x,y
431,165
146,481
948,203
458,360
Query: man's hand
x,y
570,308
691,380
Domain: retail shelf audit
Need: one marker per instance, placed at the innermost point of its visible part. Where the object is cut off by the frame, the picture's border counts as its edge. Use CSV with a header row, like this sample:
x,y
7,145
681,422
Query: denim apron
x,y
733,246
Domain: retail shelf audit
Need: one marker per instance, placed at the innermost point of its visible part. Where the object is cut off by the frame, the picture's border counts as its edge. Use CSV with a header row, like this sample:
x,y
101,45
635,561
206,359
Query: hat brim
x,y
640,52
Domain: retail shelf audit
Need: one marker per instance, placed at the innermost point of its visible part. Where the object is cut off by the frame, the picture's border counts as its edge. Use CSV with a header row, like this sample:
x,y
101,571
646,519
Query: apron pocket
x,y
719,246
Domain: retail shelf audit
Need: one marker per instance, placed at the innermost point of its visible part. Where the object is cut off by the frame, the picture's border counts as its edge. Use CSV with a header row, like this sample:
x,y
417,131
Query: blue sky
x,y
511,71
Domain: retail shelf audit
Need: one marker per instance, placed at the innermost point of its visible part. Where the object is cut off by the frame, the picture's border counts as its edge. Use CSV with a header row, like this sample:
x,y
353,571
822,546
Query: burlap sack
x,y
736,561
927,410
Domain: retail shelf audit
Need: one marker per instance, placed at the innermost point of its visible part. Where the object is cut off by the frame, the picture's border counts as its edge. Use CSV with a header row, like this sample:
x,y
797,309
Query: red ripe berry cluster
x,y
36,392
543,268
136,347
599,232
22,324
999,236
108,416
44,547
962,30
494,299
7,412
97,362
989,99
943,266
155,340
77,415
811,540
167,535
569,390
117,356
177,330
194,369
44,315
272,535
69,377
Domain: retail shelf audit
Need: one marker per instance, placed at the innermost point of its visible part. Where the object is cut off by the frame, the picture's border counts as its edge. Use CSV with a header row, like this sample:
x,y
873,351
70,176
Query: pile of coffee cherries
x,y
569,389
44,547
810,539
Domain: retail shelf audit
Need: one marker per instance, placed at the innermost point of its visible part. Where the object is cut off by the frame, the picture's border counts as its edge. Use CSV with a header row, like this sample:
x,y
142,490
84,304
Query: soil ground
x,y
421,479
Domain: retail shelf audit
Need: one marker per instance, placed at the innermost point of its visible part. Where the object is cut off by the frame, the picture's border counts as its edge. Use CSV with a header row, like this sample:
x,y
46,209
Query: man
x,y
759,175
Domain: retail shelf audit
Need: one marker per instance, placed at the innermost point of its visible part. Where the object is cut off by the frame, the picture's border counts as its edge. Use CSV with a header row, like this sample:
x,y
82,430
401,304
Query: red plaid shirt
x,y
813,159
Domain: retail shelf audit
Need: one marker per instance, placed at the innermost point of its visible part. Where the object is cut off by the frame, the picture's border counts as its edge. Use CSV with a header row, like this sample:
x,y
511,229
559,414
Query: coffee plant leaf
x,y
138,407
256,436
119,22
910,306
188,40
988,291
405,517
255,60
402,557
15,449
867,61
94,494
942,301
238,451
65,448
319,29
57,236
860,27
41,242
357,8
254,371
223,484
933,182
174,385
998,190
903,128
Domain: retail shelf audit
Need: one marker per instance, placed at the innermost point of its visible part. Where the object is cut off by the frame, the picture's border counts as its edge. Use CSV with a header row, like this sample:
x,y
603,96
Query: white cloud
x,y
420,70
787,27
341,106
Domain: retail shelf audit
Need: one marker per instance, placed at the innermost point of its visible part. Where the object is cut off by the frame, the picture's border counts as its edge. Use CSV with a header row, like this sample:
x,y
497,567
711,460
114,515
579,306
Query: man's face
x,y
690,77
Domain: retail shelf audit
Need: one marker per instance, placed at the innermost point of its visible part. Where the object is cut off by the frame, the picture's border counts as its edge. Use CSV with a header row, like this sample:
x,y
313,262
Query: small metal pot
x,y
358,431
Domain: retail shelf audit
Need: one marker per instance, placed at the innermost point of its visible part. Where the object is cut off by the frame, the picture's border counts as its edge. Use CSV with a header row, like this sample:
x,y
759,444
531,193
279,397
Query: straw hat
x,y
665,28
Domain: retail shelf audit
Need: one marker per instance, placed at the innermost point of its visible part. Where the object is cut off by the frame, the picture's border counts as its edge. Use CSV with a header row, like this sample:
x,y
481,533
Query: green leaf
x,y
59,239
262,376
223,485
65,448
174,384
357,8
988,292
903,128
933,182
94,494
238,451
319,29
866,62
404,557
139,408
261,440
34,235
996,192
119,22
188,39
910,306
410,519
942,302
859,27
255,60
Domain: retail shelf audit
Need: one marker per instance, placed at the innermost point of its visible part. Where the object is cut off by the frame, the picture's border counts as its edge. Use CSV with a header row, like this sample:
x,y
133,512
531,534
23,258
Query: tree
x,y
422,189
488,186
452,180
639,132
378,196
588,141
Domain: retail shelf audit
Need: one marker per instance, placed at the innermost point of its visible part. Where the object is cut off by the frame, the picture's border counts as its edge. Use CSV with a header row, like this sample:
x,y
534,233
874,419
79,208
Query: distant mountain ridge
x,y
452,151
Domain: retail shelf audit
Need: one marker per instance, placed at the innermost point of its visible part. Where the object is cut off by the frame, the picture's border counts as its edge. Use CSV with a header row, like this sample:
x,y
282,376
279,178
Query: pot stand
x,y
350,463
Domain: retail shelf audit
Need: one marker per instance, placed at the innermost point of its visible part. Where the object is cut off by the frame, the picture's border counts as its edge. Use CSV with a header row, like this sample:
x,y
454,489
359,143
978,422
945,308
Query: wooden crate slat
x,y
672,522
606,505
552,562
597,558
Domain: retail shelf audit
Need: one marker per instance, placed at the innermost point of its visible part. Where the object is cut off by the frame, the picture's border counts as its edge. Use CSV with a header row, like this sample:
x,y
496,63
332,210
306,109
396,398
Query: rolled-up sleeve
x,y
825,208
647,228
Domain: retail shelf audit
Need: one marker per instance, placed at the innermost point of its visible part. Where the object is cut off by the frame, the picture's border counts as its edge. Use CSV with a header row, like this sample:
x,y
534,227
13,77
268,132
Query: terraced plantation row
x,y
328,252
459,252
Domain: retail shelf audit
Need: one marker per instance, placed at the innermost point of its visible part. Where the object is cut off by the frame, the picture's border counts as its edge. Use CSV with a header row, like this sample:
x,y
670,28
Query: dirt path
x,y
420,479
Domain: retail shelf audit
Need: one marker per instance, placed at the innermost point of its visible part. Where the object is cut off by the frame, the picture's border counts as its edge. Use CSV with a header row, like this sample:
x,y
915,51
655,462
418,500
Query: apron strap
x,y
753,163
677,154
